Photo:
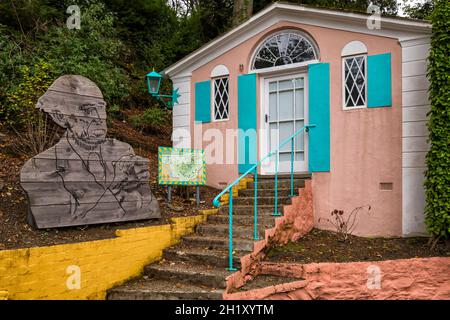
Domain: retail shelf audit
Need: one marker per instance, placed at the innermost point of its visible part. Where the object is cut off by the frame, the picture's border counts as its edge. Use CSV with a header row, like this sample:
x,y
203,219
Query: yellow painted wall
x,y
42,272
241,185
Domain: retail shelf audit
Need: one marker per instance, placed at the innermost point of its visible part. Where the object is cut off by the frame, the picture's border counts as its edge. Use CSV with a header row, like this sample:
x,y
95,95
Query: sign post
x,y
183,167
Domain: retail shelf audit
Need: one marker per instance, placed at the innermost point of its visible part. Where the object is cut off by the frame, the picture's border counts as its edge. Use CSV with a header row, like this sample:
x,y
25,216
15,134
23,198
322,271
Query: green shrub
x,y
93,51
150,120
113,111
35,131
11,58
437,182
19,107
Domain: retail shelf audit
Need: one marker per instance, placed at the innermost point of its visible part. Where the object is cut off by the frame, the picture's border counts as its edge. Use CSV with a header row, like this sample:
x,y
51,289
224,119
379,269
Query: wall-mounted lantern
x,y
153,80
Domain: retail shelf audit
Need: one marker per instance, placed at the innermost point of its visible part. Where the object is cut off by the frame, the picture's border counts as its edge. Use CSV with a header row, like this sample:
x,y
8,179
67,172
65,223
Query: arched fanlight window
x,y
285,47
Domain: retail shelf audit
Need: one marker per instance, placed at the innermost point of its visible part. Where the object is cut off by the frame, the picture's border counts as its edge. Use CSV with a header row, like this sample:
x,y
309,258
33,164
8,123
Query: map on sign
x,y
181,166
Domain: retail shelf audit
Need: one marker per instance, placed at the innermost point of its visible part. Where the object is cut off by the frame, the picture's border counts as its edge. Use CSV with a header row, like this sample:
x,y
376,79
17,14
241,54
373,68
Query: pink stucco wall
x,y
365,143
419,278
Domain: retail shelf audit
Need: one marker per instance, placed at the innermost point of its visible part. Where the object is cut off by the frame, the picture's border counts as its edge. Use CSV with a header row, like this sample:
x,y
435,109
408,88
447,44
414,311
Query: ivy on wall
x,y
437,176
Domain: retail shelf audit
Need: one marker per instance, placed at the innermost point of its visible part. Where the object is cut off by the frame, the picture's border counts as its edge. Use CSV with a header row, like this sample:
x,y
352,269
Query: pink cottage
x,y
358,82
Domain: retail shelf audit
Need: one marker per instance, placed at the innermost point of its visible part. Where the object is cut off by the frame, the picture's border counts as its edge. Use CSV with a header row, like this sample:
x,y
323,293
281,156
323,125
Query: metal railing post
x,y
255,207
230,232
275,209
292,167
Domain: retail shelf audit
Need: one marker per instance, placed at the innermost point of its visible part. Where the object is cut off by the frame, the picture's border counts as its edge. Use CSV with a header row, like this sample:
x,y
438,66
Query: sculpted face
x,y
90,126
85,118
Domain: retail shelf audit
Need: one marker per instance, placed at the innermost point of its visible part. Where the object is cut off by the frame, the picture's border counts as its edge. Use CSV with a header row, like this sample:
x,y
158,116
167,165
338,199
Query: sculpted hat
x,y
70,94
75,84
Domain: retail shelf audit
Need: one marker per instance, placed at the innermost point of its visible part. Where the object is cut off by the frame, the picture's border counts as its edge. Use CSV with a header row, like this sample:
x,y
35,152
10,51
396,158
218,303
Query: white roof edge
x,y
356,16
388,23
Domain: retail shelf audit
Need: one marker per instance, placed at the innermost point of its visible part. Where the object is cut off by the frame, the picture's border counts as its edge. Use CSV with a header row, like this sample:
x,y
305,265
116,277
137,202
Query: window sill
x,y
283,68
353,108
222,120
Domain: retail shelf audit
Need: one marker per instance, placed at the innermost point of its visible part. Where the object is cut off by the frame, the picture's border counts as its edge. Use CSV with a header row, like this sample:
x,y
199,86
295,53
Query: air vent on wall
x,y
386,186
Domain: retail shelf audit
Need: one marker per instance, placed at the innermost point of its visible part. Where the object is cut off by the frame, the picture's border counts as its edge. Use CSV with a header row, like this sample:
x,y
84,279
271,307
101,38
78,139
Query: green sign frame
x,y
181,166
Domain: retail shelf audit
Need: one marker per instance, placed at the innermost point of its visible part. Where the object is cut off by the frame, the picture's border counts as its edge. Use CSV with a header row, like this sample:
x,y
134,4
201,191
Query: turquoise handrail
x,y
254,168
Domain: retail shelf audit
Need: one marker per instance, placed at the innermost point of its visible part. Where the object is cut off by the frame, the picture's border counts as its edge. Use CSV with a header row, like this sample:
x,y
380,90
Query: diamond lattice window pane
x,y
221,99
355,81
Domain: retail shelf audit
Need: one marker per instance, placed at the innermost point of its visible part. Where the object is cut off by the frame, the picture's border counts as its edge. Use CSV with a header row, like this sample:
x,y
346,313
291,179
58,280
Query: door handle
x,y
267,118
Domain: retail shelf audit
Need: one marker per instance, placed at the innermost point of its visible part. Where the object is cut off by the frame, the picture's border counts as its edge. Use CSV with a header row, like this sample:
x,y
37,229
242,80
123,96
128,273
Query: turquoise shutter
x,y
203,101
379,81
319,115
247,150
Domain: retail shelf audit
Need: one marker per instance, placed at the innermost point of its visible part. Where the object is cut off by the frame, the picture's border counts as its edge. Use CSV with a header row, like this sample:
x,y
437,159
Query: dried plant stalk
x,y
345,225
39,134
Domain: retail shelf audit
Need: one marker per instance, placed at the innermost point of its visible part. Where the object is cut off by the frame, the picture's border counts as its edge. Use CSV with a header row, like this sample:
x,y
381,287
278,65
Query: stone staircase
x,y
195,269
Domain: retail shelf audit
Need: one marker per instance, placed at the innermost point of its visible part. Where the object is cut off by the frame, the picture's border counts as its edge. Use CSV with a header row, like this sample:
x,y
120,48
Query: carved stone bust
x,y
85,178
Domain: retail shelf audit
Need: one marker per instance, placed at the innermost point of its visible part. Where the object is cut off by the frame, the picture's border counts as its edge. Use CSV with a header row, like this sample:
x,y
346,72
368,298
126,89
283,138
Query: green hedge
x,y
437,182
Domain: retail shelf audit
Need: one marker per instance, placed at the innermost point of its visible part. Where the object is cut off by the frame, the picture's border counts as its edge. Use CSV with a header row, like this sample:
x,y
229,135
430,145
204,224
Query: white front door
x,y
284,113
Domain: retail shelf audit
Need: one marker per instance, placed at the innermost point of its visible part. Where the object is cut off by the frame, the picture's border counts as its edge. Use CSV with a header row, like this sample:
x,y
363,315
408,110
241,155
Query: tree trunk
x,y
242,10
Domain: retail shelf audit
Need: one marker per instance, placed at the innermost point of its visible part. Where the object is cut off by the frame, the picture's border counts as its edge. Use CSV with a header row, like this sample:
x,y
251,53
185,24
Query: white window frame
x,y
299,33
344,107
213,98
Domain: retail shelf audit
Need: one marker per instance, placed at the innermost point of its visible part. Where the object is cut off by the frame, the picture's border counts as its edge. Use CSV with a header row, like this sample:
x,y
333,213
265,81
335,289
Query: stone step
x,y
221,230
195,269
284,176
152,289
261,200
263,210
213,257
211,242
193,273
270,184
241,219
283,192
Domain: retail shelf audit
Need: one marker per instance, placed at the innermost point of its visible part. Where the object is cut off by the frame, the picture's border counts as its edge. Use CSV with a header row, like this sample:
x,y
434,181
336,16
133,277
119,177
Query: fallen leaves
x,y
325,246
